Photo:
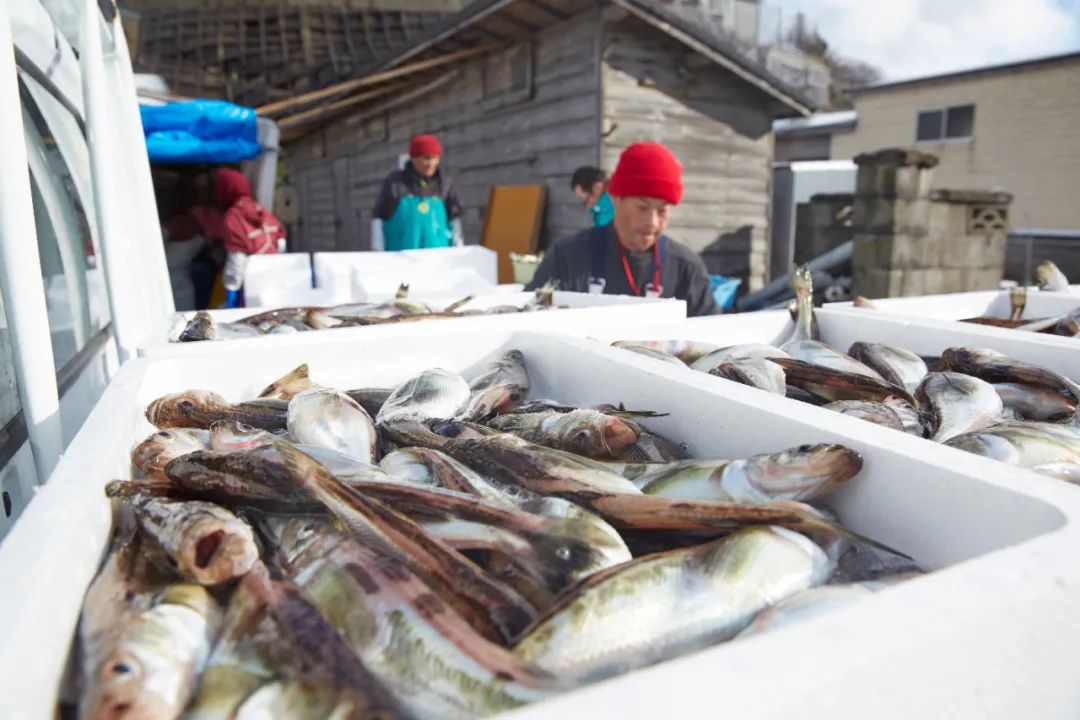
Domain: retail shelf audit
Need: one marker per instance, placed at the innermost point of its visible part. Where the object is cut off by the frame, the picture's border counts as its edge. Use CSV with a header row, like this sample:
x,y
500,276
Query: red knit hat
x,y
425,145
647,169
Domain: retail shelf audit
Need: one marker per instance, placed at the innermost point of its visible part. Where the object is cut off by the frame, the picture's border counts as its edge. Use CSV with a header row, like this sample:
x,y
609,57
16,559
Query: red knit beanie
x,y
425,145
647,169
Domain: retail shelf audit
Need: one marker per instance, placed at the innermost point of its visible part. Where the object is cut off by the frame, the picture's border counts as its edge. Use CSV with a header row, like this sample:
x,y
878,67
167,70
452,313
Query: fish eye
x,y
186,405
563,553
164,434
120,668
804,448
244,427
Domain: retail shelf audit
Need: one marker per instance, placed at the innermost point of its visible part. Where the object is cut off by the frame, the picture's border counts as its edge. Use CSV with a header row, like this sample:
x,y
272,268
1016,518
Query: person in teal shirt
x,y
417,206
590,186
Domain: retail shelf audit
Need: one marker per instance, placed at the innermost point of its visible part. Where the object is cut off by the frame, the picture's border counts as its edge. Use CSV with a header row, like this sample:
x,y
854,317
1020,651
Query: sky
x,y
912,38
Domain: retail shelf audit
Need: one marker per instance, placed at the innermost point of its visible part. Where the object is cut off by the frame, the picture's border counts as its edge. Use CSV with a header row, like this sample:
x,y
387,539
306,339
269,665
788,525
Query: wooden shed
x,y
525,91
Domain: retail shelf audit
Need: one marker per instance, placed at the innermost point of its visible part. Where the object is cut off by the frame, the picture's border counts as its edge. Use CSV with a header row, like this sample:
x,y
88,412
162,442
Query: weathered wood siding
x,y
488,140
718,126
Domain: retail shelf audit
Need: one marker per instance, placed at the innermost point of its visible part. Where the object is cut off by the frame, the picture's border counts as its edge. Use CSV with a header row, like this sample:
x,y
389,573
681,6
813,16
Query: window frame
x,y
943,127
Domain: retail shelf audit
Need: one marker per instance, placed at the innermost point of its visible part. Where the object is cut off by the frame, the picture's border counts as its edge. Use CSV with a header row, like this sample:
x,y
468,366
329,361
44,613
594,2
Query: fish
x,y
233,435
256,477
653,352
434,393
1047,448
371,399
155,452
582,431
651,447
543,405
1050,277
489,606
202,408
458,304
331,419
875,412
759,373
660,606
1017,302
912,420
831,384
1034,402
554,552
803,284
686,350
154,668
806,604
996,367
289,385
206,543
416,644
802,473
200,327
956,404
500,389
746,351
896,365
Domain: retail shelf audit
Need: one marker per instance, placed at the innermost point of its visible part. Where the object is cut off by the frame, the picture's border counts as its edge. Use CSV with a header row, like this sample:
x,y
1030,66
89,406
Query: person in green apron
x,y
590,186
417,207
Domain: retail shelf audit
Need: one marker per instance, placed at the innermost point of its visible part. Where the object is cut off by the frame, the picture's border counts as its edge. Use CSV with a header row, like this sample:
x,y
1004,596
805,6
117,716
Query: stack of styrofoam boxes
x,y
991,631
574,314
375,276
278,279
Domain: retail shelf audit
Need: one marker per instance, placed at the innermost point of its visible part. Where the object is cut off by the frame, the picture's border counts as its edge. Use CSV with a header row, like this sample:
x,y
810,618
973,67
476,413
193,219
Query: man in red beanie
x,y
631,255
417,206
249,229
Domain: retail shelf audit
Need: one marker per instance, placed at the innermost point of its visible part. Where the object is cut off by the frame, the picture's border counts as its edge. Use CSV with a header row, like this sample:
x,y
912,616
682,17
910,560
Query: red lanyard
x,y
630,275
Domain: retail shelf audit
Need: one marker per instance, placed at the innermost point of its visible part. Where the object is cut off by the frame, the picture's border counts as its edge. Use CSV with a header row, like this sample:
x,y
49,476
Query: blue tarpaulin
x,y
723,290
199,131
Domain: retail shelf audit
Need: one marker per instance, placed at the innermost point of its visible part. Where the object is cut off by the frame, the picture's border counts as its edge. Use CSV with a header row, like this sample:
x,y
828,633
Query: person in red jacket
x,y
249,229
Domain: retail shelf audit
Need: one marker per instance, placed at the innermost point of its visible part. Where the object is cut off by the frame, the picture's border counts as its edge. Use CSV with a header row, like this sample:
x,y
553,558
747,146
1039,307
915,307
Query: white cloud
x,y
909,38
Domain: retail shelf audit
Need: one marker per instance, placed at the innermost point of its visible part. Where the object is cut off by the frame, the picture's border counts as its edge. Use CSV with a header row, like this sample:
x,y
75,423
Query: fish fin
x,y
811,520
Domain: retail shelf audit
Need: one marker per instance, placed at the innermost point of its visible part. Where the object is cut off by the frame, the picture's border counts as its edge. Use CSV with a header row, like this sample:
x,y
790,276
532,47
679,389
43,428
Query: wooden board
x,y
514,216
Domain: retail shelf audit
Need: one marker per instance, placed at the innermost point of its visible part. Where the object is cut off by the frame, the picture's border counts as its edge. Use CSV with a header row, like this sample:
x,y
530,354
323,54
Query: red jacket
x,y
249,227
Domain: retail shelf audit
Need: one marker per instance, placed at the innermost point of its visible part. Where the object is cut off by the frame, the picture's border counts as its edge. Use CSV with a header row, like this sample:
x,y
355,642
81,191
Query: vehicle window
x,y
60,186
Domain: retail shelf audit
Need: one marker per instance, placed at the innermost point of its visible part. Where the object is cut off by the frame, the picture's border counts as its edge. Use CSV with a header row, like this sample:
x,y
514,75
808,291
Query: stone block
x,y
973,251
982,278
943,280
946,219
911,216
913,283
871,252
877,283
910,183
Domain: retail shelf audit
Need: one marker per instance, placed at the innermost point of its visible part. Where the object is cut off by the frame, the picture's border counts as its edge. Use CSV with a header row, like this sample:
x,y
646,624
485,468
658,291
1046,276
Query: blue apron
x,y
418,223
603,211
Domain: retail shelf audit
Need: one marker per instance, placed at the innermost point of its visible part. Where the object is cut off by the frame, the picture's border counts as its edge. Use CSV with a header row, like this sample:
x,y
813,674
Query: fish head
x,y
154,453
802,472
235,435
287,386
593,434
578,546
120,693
801,281
188,409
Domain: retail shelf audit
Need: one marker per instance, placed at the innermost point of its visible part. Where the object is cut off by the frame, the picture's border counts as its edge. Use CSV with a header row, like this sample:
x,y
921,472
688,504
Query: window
x,y
63,206
508,77
945,124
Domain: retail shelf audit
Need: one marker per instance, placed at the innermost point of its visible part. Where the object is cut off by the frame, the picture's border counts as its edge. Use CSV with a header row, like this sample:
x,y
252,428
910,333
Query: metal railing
x,y
1027,247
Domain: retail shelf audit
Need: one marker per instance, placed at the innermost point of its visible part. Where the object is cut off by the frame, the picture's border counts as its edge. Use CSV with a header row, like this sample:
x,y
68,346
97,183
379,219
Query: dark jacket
x,y
683,274
407,181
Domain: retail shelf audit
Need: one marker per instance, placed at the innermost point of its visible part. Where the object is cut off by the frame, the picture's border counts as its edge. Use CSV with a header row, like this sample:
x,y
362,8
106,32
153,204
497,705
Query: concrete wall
x,y
489,137
794,148
719,127
911,240
1026,136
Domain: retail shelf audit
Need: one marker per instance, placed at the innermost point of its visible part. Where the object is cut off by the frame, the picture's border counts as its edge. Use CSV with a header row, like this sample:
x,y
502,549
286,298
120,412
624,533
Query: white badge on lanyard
x,y
596,286
653,291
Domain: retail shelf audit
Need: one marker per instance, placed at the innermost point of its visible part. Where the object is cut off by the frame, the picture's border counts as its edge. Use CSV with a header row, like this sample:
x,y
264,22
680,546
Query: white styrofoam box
x,y
423,281
360,276
582,314
841,328
991,632
269,279
960,306
294,295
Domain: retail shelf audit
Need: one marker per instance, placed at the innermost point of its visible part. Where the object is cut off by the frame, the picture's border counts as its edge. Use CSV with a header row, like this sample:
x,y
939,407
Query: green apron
x,y
603,211
417,223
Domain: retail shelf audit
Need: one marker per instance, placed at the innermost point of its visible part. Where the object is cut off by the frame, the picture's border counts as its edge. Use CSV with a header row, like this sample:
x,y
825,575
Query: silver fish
x,y
807,604
203,408
1034,402
333,420
996,367
686,350
875,412
661,606
583,431
1050,277
289,385
652,352
895,364
709,362
1048,448
155,452
801,473
760,373
957,404
500,389
431,394
155,666
233,435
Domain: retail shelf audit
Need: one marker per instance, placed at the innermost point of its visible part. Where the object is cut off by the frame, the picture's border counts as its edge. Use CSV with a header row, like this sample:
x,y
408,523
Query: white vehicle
x,y
79,300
